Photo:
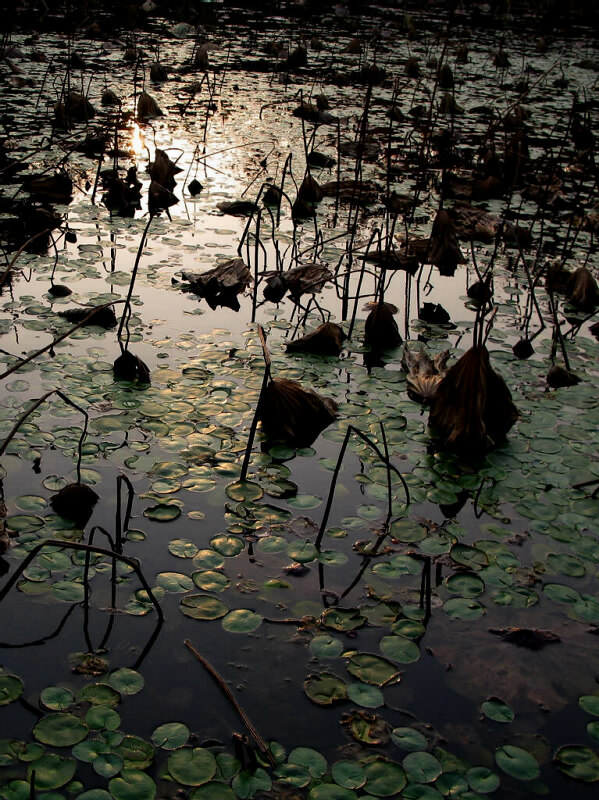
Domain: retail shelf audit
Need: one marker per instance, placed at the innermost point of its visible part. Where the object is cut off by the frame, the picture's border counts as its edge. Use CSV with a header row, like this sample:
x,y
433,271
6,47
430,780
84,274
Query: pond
x,y
233,566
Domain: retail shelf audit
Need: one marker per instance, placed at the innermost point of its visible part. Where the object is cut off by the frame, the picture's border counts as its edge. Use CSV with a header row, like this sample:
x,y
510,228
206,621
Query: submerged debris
x,y
531,638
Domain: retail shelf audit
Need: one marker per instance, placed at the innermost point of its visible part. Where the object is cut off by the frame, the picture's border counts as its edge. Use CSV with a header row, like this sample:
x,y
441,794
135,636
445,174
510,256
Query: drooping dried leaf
x,y
128,367
306,279
424,373
559,377
147,107
56,188
380,329
75,502
163,170
474,223
472,408
104,317
237,208
159,198
294,415
221,284
326,340
582,290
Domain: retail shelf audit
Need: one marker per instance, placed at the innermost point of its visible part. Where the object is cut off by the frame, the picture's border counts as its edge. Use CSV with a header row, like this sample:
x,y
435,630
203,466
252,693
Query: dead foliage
x,y
104,316
531,638
147,107
221,284
75,502
472,408
294,415
380,328
582,290
424,374
326,340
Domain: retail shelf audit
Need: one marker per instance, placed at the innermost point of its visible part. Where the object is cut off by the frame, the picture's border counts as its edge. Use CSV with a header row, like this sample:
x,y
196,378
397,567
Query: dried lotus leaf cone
x,y
147,107
75,502
294,415
443,249
326,340
472,408
380,329
582,290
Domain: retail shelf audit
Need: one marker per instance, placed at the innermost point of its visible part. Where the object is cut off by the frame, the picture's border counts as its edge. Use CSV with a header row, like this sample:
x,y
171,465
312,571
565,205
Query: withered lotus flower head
x,y
424,374
326,340
380,329
294,415
472,408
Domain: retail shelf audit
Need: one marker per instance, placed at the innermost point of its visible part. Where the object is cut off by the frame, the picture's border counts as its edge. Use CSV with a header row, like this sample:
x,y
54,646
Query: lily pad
x,y
364,695
372,669
11,688
242,620
384,778
349,774
203,606
325,688
60,730
192,766
497,710
132,785
126,681
422,767
409,739
51,772
312,760
326,646
171,735
578,762
517,762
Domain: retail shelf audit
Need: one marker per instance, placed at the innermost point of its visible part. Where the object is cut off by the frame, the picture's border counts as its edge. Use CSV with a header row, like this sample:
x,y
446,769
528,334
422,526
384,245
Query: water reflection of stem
x,y
131,562
87,591
254,425
127,310
252,730
383,458
43,639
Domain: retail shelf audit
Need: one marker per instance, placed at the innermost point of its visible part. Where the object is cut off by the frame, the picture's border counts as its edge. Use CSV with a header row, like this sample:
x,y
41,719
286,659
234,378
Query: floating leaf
x,y
399,649
517,762
100,718
132,785
51,772
312,760
171,735
497,710
174,582
203,606
56,698
162,512
365,696
182,548
100,694
372,669
463,608
385,778
589,703
325,646
126,681
343,619
135,752
11,688
348,774
325,688
578,762
213,790
227,545
483,780
60,730
242,620
248,782
409,739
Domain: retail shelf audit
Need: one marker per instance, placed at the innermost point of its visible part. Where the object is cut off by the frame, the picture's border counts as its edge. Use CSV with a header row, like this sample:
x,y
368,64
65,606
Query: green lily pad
x,y
203,606
343,619
136,753
162,512
372,669
68,591
213,790
60,730
192,766
465,584
463,608
312,760
99,694
11,688
90,749
242,620
126,681
590,703
517,762
132,785
101,718
471,557
399,649
325,688
497,710
349,774
407,531
385,778
170,736
175,582
294,775
244,491
303,552
56,698
482,780
422,767
108,764
578,762
409,739
248,782
364,695
227,545
326,646
210,581
330,791
182,548
51,772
